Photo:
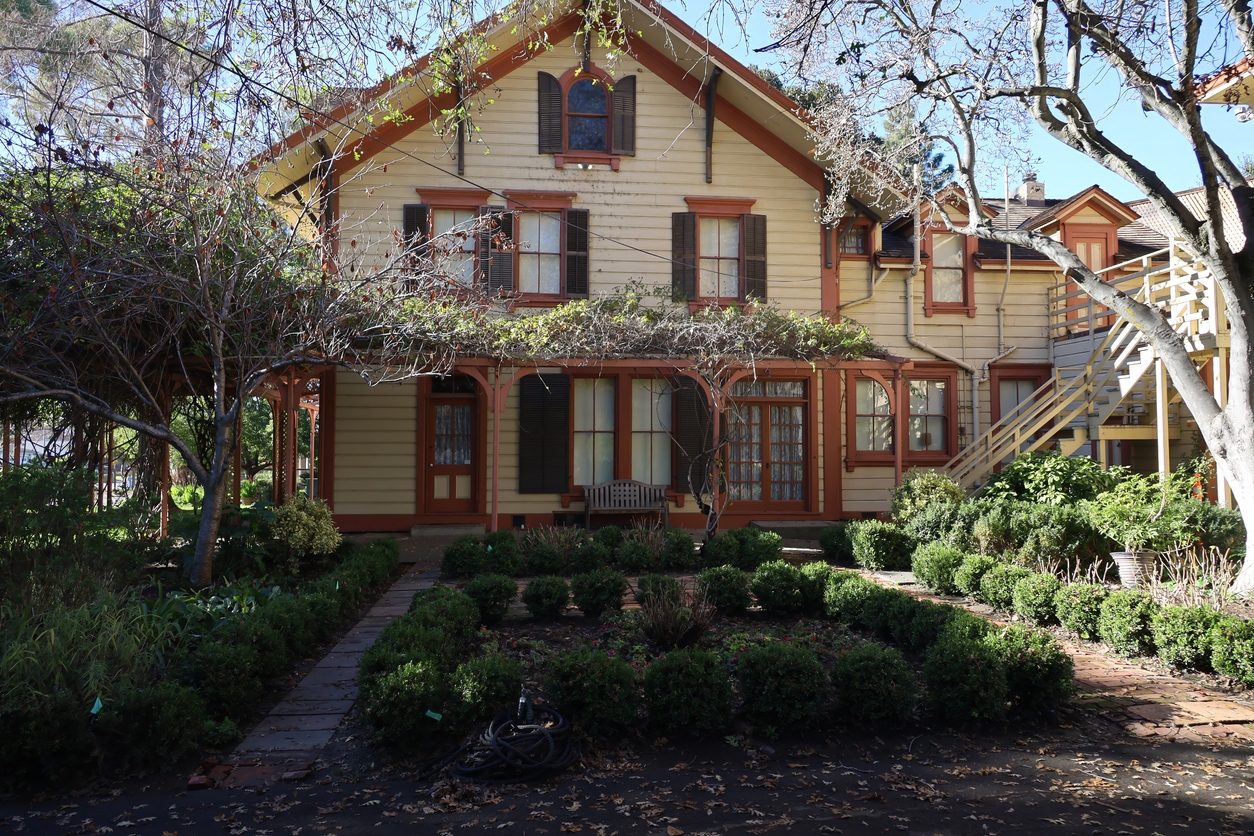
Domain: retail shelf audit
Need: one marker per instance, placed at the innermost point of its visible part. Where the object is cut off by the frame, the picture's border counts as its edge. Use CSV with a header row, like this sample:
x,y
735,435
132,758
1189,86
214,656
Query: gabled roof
x,y
1232,85
1094,195
657,38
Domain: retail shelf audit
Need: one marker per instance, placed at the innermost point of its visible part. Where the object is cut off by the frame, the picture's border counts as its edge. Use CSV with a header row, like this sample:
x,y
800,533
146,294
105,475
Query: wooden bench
x,y
624,496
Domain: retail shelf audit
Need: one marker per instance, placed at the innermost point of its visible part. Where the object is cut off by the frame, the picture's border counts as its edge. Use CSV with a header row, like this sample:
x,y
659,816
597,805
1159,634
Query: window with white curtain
x,y
651,432
948,267
594,430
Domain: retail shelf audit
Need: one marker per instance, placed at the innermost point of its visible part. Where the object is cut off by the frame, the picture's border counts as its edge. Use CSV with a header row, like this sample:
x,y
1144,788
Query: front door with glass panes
x,y
766,435
450,445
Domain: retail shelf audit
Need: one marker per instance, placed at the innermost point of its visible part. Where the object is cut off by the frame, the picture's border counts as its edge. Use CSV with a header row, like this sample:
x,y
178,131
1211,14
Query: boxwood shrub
x,y
680,553
966,680
501,553
929,619
599,591
777,587
782,684
834,540
483,686
546,597
396,705
688,691
1079,606
541,559
657,586
1034,596
635,557
594,688
1125,622
1183,636
492,594
463,558
814,577
1232,649
934,564
846,595
727,588
872,683
1040,675
590,556
972,570
879,545
610,536
997,587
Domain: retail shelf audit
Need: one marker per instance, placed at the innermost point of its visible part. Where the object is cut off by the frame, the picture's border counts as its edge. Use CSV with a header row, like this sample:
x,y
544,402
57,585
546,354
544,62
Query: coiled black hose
x,y
511,751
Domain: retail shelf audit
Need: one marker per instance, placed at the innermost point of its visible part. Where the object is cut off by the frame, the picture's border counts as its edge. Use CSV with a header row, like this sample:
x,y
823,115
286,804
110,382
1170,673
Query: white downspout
x,y
922,346
875,282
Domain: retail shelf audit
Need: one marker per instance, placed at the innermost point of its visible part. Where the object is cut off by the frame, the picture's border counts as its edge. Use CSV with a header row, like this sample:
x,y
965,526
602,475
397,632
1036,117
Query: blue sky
x,y
1063,170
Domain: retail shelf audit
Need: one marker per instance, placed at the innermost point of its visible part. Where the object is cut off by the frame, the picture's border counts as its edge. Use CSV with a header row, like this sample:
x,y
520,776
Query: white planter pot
x,y
1135,568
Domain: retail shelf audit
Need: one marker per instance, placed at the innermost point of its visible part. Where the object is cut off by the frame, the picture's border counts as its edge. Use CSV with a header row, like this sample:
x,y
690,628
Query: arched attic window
x,y
587,117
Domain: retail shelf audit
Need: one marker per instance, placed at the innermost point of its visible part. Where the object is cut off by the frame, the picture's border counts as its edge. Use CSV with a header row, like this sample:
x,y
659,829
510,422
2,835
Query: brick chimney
x,y
1031,191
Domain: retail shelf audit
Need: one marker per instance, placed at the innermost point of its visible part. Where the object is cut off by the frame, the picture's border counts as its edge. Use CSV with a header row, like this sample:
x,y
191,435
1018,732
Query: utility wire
x,y
261,85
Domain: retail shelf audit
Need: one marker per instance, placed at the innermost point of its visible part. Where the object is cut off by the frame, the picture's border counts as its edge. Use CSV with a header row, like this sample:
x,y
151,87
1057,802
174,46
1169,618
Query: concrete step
x,y
793,529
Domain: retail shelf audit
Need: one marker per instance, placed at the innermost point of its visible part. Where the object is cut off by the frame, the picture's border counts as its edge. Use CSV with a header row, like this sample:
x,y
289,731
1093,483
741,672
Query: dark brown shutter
x,y
496,252
550,116
576,252
753,227
684,256
624,125
693,437
543,434
414,223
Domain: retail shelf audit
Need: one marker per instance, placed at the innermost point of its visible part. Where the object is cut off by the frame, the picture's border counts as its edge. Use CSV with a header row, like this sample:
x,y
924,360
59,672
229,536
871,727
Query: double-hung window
x,y
593,430
873,417
539,238
948,278
453,244
929,417
718,252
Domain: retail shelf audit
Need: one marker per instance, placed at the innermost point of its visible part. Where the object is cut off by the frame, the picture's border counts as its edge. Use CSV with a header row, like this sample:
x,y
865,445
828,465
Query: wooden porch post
x,y
1160,409
496,447
289,437
276,459
899,425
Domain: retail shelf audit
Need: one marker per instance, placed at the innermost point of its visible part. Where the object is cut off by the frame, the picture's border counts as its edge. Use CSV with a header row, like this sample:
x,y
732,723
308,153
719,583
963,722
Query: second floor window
x,y
540,252
873,419
453,241
720,258
948,268
587,115
853,240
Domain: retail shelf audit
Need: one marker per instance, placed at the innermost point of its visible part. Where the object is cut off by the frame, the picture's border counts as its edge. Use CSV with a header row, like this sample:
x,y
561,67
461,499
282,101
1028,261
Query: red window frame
x,y
930,371
606,157
967,305
543,202
860,229
721,207
809,443
853,456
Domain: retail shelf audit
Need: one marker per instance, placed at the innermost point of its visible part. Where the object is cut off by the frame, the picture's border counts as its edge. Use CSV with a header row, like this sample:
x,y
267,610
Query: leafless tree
x,y
980,80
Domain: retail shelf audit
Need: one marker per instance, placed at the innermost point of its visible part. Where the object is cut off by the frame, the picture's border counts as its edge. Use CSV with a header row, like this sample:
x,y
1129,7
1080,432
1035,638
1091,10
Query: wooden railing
x,y
1081,398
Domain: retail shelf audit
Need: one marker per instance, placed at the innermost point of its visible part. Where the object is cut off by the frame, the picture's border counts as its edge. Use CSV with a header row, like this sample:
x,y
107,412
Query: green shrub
x,y
872,683
1050,478
881,546
934,565
396,707
304,526
1034,596
492,594
782,684
657,586
589,557
1125,622
597,591
997,587
726,588
1219,528
721,550
680,553
965,625
929,620
463,558
835,543
444,607
268,648
49,740
921,489
610,536
881,609
814,577
1040,675
546,597
846,595
1183,636
1079,606
294,621
151,727
1232,649
934,524
595,688
635,556
483,686
501,554
757,547
225,677
777,587
543,559
966,681
688,691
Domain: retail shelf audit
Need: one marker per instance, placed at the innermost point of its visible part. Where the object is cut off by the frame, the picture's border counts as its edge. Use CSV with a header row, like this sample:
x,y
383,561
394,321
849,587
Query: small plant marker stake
x,y
434,716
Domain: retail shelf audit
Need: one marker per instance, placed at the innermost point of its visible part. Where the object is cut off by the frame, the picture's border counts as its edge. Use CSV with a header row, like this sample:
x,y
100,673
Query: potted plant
x,y
1144,515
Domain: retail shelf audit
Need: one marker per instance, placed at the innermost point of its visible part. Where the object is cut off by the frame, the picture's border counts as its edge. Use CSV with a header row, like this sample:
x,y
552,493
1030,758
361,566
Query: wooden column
x,y
289,437
1160,409
276,460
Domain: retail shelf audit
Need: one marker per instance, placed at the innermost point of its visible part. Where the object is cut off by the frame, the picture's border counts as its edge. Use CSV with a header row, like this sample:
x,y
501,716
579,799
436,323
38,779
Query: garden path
x,y
1142,701
287,741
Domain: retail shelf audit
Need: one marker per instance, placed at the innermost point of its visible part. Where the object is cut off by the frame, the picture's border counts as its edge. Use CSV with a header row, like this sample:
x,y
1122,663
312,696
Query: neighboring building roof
x,y
1061,209
1195,201
1232,85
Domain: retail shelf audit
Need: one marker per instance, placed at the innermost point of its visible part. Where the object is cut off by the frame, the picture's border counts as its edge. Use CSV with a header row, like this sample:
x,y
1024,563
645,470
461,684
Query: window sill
x,y
928,457
586,159
866,458
702,304
932,308
535,300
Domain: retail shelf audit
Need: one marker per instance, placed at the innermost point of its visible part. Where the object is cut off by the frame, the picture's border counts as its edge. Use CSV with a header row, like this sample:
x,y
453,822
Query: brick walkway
x,y
286,743
1144,702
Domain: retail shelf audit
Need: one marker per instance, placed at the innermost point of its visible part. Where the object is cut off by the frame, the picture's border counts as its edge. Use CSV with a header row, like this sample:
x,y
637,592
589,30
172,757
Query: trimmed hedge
x,y
971,572
782,684
688,691
997,587
1079,607
726,588
1232,649
881,545
594,688
599,591
872,684
546,597
492,594
1034,596
836,545
966,680
1183,636
1125,622
1040,675
934,564
777,587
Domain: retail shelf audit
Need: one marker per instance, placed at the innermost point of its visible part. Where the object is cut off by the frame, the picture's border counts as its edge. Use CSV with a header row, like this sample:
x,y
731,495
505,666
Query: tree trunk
x,y
207,536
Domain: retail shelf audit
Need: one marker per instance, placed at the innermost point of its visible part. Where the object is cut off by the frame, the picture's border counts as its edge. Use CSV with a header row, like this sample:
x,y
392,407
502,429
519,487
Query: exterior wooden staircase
x,y
1114,390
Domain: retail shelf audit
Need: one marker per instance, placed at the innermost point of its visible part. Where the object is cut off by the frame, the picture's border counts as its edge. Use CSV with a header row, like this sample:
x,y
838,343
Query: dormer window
x,y
586,117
